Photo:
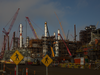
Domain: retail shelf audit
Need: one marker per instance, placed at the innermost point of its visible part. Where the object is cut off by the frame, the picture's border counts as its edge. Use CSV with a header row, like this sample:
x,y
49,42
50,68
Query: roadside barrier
x,y
76,65
26,71
82,66
4,69
86,65
14,70
68,65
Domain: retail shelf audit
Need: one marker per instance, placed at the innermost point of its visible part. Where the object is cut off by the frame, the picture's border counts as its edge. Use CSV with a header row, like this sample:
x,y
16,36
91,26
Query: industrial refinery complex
x,y
86,50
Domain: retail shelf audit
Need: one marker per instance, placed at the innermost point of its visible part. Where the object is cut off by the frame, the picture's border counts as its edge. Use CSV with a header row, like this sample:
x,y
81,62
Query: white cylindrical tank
x,y
54,34
58,34
57,49
20,35
45,29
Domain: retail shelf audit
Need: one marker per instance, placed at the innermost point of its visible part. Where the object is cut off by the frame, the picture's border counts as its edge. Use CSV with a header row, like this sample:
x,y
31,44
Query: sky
x,y
79,12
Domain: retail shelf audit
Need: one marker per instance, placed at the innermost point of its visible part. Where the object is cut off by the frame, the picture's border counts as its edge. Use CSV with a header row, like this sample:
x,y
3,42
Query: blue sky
x,y
80,12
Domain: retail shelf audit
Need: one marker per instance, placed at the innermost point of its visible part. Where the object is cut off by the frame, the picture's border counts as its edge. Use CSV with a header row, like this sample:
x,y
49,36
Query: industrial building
x,y
85,35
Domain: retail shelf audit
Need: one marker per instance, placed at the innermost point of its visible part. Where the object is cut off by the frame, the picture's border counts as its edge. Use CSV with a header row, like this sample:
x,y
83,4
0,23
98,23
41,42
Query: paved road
x,y
41,70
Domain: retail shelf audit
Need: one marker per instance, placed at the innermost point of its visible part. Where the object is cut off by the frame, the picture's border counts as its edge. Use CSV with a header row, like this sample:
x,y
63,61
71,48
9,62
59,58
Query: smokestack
x,y
54,35
74,32
45,29
20,35
58,34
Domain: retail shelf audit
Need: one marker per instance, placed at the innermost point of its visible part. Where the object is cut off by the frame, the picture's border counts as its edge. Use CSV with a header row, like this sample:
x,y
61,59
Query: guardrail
x,y
79,66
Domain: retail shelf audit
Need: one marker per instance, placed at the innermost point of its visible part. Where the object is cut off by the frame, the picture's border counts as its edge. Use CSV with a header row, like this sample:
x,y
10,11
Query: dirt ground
x,y
41,70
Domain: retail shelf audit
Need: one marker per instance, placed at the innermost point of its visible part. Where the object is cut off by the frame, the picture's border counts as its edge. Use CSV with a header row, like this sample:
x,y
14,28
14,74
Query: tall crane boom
x,y
66,45
67,34
60,26
33,30
97,24
11,23
4,31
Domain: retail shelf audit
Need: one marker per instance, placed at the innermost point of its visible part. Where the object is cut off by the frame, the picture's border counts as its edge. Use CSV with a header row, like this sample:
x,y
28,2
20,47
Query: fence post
x,y
26,71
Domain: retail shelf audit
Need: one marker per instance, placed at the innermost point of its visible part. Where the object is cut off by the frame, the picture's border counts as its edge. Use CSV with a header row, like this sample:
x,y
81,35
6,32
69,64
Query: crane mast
x,y
33,30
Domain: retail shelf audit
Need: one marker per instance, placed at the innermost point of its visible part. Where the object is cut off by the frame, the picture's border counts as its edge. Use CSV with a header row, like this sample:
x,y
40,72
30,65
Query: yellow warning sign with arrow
x,y
46,60
17,57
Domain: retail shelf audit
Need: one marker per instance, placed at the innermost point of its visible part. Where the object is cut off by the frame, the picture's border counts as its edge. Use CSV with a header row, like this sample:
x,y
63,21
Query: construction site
x,y
84,51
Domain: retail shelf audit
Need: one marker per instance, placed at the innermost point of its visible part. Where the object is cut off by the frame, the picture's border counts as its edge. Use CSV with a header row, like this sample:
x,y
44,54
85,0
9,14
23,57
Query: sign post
x,y
46,61
46,70
17,57
16,69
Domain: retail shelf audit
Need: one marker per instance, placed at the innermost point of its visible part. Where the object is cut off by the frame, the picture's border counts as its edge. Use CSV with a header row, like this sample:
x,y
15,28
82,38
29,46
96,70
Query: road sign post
x,y
17,57
46,70
46,61
16,69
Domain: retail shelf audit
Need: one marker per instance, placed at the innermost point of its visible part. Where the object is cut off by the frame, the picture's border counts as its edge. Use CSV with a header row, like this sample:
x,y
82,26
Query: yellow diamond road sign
x,y
17,57
46,60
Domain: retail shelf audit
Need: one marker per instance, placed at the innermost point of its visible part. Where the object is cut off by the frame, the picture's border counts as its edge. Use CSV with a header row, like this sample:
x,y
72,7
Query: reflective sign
x,y
46,60
17,57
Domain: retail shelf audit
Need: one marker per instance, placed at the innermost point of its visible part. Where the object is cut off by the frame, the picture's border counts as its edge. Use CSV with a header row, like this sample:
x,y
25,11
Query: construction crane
x,y
72,36
67,34
61,26
11,42
7,33
52,50
33,30
97,24
66,45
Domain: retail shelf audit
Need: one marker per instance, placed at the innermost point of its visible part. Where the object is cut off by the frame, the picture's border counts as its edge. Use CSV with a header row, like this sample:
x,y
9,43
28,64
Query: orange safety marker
x,y
4,69
26,71
89,65
34,72
10,73
2,74
15,70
